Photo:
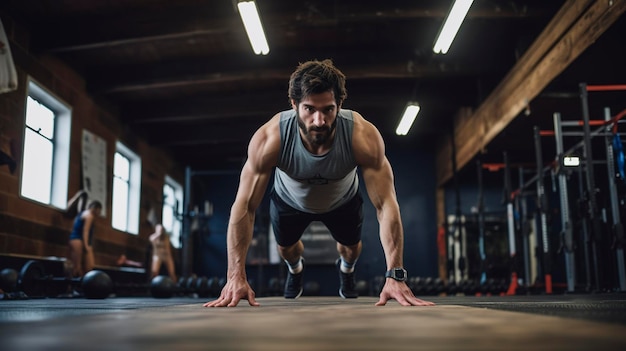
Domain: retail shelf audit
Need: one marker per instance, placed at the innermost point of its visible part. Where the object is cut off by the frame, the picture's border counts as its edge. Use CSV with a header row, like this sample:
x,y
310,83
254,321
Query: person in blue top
x,y
80,249
315,149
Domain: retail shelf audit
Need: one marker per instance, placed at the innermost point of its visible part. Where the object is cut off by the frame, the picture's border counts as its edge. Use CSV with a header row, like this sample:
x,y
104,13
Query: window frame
x,y
134,190
175,238
61,141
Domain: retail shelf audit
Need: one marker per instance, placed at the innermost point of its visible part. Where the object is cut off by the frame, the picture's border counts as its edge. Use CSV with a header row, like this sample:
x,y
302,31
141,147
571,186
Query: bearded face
x,y
317,117
317,135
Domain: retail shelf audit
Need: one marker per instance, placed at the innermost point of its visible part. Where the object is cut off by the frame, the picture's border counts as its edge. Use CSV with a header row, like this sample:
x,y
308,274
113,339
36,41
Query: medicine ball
x,y
8,280
162,286
97,284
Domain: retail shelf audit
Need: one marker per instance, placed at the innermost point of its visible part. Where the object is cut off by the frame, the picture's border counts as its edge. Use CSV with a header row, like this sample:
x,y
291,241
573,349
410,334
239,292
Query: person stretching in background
x,y
162,252
80,242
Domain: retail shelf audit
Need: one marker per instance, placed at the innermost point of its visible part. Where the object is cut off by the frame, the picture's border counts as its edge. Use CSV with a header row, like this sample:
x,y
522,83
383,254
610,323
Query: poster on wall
x,y
94,168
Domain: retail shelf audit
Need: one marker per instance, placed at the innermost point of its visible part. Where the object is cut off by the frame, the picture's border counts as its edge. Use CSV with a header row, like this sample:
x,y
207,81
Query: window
x,y
172,210
126,190
47,129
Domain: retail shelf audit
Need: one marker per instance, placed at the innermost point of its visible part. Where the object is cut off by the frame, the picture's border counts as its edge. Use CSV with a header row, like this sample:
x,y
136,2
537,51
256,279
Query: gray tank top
x,y
316,183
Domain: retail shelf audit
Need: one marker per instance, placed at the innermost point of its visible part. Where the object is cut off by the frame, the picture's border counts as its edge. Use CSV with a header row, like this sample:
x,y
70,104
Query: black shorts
x,y
344,223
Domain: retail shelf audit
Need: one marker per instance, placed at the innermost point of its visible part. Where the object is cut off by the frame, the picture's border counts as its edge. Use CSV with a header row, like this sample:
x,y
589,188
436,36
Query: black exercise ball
x,y
97,284
162,287
8,280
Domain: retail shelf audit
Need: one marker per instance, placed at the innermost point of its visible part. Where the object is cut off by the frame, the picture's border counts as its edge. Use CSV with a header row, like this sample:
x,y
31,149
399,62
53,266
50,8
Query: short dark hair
x,y
315,77
95,204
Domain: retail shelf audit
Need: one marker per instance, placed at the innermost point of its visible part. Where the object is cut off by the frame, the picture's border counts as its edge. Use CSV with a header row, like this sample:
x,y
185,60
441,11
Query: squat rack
x,y
607,125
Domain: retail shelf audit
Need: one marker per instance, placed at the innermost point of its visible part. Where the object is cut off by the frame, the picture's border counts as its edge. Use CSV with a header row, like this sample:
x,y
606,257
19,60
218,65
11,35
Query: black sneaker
x,y
347,284
293,284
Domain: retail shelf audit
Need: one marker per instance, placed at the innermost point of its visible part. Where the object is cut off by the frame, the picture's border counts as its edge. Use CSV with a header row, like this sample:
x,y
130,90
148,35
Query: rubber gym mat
x,y
610,308
311,324
48,308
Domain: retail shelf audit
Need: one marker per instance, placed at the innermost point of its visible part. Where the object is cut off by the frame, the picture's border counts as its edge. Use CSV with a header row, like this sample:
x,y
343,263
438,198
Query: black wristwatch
x,y
397,273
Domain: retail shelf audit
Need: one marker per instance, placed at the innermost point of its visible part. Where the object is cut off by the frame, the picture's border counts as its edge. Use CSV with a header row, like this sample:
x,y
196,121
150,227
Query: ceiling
x,y
183,75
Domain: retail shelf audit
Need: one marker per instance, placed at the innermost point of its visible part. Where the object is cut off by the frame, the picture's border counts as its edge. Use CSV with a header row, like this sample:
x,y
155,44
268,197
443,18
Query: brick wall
x,y
30,228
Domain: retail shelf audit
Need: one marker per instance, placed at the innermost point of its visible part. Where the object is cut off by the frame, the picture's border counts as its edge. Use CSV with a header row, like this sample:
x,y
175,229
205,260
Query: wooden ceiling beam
x,y
401,70
576,26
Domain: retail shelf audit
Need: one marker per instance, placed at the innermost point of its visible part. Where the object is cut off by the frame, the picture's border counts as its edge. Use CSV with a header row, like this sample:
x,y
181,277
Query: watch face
x,y
397,274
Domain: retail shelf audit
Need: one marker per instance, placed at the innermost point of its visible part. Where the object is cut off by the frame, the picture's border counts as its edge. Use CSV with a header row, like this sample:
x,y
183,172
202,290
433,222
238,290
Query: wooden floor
x,y
309,323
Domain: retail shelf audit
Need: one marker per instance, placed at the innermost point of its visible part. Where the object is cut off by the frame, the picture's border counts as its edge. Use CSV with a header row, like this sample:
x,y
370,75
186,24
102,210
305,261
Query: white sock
x,y
296,267
346,267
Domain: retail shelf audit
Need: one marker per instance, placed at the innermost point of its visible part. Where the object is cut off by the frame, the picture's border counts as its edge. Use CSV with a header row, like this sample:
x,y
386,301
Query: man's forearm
x,y
392,239
239,238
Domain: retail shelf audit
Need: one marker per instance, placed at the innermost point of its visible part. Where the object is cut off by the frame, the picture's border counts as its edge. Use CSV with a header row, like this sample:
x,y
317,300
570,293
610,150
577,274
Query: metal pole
x,y
586,238
566,222
618,229
511,225
524,229
458,226
481,225
187,264
589,172
509,205
542,204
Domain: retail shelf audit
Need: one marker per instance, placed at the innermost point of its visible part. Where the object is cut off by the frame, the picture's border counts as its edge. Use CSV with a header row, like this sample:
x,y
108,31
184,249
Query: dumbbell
x,y
207,287
440,286
163,286
429,286
34,282
452,288
417,285
468,287
190,284
202,287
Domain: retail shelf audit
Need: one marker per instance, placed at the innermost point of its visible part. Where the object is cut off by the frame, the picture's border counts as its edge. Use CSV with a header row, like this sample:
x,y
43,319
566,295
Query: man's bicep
x,y
252,185
262,157
379,183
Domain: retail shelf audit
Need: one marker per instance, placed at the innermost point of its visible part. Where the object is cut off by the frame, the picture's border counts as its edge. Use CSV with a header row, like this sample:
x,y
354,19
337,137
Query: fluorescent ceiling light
x,y
451,26
411,111
252,23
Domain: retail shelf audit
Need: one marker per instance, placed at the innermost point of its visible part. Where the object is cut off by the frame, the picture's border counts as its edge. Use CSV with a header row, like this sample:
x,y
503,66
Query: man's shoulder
x,y
286,114
367,143
347,113
265,144
361,124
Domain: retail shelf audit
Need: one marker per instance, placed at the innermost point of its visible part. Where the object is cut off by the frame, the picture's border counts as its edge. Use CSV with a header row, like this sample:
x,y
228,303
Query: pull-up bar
x,y
595,122
495,166
614,87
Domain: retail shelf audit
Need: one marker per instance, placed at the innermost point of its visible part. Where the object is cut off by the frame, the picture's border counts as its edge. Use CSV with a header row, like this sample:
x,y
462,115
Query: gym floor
x,y
554,322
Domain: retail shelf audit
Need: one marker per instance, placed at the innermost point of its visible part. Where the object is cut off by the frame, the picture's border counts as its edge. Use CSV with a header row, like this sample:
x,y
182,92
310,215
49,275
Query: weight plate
x,y
30,279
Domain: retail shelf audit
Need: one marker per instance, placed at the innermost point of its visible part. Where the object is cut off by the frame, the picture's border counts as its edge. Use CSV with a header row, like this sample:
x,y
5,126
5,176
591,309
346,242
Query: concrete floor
x,y
586,322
